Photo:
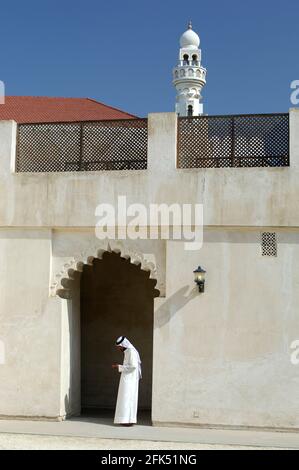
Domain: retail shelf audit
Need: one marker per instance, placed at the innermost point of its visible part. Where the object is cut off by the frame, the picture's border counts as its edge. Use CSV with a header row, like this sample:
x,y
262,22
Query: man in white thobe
x,y
127,397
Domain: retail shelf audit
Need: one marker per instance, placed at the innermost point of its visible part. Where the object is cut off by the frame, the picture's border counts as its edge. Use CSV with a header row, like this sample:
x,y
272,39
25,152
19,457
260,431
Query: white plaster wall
x,y
30,326
223,357
70,366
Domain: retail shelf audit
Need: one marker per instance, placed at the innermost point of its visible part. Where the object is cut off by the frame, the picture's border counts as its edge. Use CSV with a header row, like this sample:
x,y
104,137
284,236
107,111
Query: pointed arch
x,y
64,287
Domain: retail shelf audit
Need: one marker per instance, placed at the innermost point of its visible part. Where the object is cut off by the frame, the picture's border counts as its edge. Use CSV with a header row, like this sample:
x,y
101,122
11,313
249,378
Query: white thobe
x,y
127,397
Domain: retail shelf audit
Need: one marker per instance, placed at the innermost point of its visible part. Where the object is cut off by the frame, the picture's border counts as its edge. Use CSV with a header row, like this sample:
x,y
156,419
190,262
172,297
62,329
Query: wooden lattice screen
x,y
233,141
83,146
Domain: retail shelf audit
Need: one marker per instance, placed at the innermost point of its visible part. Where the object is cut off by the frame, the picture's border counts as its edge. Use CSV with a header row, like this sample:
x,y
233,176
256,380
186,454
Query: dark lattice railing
x,y
83,146
259,140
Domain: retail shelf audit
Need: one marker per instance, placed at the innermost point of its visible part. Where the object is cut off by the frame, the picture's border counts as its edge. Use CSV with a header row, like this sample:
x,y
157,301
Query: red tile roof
x,y
32,109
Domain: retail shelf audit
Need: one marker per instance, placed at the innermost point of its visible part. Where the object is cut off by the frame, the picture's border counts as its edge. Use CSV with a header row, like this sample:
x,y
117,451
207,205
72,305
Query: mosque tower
x,y
189,76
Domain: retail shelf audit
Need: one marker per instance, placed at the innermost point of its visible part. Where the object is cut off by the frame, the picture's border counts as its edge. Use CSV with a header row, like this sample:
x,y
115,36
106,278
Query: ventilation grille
x,y
269,244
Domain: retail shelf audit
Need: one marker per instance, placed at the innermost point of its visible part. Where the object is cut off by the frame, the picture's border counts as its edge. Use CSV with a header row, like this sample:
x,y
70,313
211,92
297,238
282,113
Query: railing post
x,y
287,160
162,146
80,166
8,147
233,141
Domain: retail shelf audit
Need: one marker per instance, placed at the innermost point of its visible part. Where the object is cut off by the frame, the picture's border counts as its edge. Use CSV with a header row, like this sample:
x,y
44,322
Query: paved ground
x,y
33,442
99,432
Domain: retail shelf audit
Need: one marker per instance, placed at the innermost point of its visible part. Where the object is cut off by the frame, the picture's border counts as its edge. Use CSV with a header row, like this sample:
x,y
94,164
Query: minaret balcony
x,y
189,73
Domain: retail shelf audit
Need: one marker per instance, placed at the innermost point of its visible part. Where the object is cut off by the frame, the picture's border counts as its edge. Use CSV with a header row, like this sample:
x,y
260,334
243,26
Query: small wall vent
x,y
269,244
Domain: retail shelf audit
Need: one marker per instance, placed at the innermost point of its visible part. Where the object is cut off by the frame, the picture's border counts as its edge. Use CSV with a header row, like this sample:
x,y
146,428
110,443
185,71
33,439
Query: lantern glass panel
x,y
199,276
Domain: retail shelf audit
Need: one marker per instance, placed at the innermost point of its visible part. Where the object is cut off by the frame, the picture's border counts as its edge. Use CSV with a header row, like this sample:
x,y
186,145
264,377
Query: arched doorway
x,y
116,298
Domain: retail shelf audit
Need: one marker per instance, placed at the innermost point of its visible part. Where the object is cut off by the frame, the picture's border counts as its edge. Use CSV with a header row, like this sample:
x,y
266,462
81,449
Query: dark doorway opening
x,y
190,110
116,298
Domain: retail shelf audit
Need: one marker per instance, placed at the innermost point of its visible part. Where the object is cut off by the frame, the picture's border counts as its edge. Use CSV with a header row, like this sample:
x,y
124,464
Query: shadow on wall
x,y
173,304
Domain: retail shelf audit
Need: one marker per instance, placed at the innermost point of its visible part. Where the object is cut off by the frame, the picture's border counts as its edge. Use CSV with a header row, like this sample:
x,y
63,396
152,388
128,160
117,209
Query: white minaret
x,y
189,76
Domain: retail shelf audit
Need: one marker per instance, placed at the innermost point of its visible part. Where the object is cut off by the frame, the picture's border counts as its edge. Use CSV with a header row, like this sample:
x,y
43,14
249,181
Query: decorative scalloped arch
x,y
63,286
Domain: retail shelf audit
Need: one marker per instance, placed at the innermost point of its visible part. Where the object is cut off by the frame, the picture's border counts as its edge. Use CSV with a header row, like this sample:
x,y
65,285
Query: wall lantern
x,y
199,278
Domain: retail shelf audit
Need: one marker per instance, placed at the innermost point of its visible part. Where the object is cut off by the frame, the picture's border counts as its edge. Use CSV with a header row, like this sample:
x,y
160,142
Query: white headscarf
x,y
125,343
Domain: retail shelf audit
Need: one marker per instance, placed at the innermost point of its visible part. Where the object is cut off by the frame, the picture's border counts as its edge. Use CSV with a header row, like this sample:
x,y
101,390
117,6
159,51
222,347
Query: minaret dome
x,y
189,76
189,38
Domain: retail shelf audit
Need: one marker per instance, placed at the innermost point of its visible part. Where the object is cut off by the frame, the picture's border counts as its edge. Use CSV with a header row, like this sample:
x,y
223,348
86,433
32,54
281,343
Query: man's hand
x,y
114,366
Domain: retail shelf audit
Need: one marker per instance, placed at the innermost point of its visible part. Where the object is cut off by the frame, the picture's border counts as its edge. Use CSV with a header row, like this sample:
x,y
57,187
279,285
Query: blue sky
x,y
122,52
